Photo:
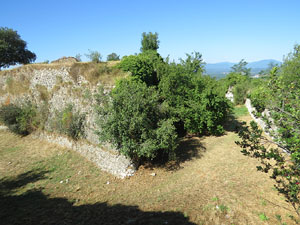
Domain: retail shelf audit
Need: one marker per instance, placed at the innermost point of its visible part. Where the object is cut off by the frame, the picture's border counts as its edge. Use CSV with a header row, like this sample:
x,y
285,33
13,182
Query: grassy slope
x,y
215,184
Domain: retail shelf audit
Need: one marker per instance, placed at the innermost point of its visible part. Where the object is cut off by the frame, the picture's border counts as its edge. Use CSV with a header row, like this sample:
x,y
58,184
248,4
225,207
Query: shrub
x,y
113,57
142,66
69,122
133,121
20,119
94,56
258,97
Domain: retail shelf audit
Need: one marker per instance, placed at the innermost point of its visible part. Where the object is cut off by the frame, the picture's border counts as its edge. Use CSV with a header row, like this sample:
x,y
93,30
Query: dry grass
x,y
214,184
105,73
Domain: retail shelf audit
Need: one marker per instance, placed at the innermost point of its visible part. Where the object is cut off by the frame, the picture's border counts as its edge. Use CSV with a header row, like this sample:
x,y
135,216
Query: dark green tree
x,y
94,56
149,41
241,68
132,119
13,50
113,57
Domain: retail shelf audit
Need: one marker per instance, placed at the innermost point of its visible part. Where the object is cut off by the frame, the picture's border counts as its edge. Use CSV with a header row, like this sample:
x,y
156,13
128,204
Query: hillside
x,y
221,69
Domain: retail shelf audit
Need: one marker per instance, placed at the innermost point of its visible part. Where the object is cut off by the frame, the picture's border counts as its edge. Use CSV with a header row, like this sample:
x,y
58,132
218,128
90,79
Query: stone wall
x,y
54,85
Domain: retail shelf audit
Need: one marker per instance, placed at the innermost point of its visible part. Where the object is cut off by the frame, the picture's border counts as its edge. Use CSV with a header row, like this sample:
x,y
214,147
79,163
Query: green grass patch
x,y
239,111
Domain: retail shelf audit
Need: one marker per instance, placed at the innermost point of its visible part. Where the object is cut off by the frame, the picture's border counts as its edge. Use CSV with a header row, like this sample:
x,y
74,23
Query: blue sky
x,y
220,30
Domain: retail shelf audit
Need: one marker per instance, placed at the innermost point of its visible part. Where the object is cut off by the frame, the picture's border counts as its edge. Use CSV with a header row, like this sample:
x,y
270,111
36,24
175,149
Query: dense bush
x,y
113,57
142,66
69,122
134,121
20,119
193,100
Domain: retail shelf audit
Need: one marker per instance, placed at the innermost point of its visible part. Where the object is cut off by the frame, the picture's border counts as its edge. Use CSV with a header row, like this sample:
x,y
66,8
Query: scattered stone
x,y
61,181
67,180
9,163
77,189
153,174
107,182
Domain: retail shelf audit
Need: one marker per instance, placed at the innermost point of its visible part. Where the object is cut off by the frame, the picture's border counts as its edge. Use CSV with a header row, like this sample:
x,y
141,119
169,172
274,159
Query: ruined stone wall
x,y
56,87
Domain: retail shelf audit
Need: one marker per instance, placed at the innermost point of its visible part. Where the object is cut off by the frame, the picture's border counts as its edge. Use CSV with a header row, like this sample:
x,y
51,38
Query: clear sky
x,y
226,30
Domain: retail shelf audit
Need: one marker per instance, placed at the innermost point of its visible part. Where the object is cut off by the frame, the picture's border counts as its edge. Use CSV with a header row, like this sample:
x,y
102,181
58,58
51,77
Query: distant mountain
x,y
220,70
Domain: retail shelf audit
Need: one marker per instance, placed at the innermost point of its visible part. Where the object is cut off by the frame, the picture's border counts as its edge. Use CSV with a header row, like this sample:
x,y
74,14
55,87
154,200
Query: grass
x,y
240,111
41,183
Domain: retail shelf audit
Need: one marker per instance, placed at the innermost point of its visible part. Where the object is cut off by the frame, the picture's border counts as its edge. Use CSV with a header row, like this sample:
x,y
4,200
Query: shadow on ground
x,y
232,124
189,148
34,207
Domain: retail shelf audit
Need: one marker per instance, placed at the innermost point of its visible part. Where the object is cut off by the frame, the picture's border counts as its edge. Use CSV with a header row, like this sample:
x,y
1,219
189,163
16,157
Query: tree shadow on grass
x,y
189,148
232,124
34,207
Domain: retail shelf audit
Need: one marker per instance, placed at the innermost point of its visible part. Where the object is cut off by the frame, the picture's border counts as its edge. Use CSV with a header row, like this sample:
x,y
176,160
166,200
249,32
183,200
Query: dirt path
x,y
215,185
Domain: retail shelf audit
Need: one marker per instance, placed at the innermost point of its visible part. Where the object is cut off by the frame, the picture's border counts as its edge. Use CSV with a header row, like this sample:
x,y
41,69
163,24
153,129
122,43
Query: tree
x,y
94,56
113,57
13,50
149,42
133,121
241,68
143,66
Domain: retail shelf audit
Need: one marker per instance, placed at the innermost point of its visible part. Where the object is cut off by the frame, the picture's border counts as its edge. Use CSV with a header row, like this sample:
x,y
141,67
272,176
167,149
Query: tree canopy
x,y
13,50
149,41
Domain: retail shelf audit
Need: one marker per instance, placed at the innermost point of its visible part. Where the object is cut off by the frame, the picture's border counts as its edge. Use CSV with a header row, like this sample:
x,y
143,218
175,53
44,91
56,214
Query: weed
x,y
263,217
223,208
239,111
69,122
278,217
215,199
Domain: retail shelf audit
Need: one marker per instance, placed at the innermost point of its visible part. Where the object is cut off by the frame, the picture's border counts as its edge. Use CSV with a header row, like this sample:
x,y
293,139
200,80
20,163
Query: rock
x,y
107,182
61,181
153,174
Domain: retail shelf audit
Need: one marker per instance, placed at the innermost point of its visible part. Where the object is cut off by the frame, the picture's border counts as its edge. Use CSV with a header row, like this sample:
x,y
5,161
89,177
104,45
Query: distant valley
x,y
220,70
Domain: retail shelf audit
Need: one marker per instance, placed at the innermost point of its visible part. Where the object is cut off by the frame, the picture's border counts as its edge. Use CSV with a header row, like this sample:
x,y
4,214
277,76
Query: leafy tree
x,y
283,102
192,99
149,41
94,56
193,63
143,66
241,68
113,57
133,120
13,49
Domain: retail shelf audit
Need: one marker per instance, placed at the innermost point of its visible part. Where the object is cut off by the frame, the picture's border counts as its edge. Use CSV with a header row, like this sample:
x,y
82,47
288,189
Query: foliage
x,y
13,49
142,66
258,97
94,56
193,63
133,120
69,122
241,68
240,91
192,99
113,57
78,57
149,42
20,119
283,94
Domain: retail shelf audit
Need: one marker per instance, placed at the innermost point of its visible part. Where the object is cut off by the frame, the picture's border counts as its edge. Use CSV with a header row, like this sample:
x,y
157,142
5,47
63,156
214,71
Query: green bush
x,y
258,97
142,66
133,120
240,91
20,119
69,122
194,101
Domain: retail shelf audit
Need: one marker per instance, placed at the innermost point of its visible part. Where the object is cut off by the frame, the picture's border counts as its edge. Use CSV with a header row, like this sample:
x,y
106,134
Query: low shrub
x,y
69,122
20,119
